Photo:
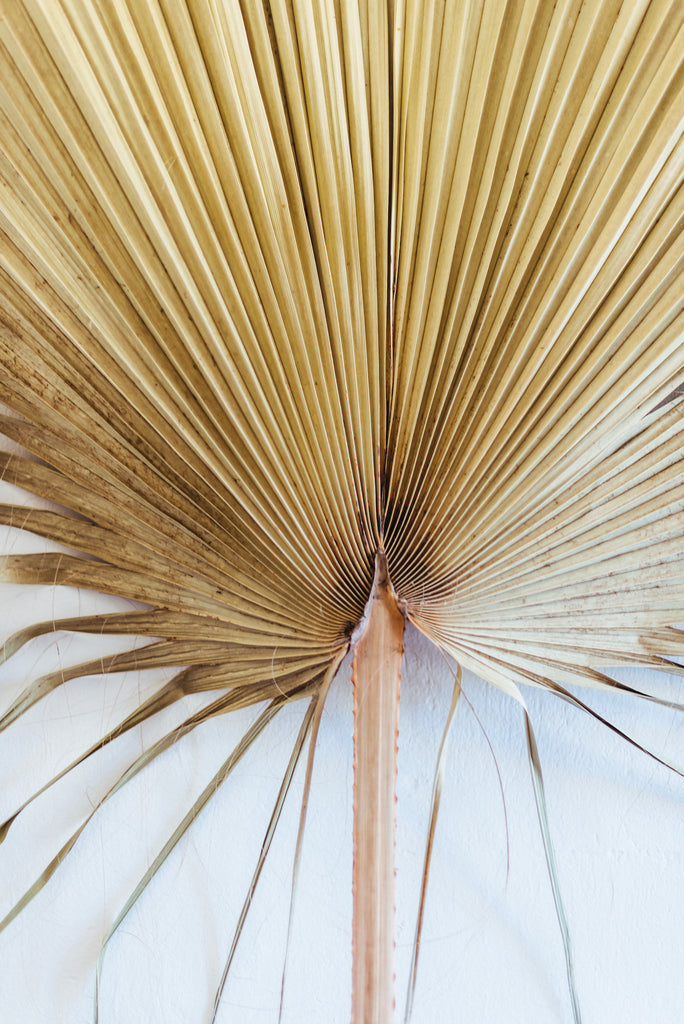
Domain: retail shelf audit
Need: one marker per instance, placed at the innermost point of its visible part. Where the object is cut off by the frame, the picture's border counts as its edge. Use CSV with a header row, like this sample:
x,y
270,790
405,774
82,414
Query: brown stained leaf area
x,y
376,677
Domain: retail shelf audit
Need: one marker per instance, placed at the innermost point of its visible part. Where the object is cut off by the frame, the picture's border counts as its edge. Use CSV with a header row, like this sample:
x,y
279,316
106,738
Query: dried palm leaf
x,y
303,303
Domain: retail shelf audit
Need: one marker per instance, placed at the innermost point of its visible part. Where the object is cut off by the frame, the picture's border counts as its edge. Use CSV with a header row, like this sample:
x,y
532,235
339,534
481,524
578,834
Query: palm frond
x,y
289,291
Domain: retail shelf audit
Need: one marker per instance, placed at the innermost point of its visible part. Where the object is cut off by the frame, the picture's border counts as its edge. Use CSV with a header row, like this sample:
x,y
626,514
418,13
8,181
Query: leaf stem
x,y
376,676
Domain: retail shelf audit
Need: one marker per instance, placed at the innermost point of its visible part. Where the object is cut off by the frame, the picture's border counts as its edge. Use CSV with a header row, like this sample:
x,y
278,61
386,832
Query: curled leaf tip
x,y
5,827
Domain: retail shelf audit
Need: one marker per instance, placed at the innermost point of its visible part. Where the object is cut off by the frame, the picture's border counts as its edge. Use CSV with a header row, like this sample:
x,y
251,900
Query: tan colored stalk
x,y
376,678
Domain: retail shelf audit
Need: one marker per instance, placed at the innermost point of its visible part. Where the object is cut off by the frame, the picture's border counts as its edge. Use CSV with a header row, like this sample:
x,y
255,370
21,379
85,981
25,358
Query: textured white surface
x,y
491,949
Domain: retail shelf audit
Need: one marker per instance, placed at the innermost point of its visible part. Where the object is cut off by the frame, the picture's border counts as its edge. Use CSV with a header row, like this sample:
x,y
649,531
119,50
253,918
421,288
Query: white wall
x,y
491,949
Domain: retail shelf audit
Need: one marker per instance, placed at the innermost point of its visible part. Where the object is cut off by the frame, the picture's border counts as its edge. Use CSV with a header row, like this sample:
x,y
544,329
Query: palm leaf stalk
x,y
306,303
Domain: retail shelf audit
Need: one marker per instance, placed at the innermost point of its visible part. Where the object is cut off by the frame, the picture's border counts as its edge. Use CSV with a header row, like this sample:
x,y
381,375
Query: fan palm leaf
x,y
304,303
